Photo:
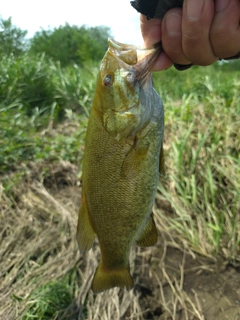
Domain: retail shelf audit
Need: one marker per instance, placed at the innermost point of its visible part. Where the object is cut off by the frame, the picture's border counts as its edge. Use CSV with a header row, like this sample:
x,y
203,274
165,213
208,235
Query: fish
x,y
123,157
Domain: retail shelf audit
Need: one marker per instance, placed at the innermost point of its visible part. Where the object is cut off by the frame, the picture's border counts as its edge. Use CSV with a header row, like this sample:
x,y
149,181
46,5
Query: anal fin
x,y
149,235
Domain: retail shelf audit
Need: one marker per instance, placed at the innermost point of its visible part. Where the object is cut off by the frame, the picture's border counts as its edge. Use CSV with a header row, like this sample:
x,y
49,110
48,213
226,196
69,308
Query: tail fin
x,y
107,279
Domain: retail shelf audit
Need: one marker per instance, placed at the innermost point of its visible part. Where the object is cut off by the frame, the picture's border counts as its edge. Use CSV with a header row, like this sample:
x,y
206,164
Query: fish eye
x,y
107,81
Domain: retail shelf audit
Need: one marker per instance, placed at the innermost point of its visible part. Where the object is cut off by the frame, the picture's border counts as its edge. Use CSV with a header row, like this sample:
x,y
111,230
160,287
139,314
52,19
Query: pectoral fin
x,y
161,162
85,233
149,235
135,159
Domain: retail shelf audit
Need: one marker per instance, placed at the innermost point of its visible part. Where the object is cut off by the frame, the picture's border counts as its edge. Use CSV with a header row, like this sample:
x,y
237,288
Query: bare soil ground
x,y
37,233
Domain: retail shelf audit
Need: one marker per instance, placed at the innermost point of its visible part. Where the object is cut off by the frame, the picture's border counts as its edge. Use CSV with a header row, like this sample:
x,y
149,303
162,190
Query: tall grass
x,y
36,82
36,94
203,159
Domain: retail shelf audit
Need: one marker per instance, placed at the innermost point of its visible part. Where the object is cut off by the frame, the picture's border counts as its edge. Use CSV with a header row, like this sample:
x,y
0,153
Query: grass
x,y
50,301
41,146
203,164
28,120
38,137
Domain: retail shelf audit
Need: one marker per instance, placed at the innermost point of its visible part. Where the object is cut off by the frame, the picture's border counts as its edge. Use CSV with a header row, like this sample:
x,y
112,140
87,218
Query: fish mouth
x,y
119,47
135,58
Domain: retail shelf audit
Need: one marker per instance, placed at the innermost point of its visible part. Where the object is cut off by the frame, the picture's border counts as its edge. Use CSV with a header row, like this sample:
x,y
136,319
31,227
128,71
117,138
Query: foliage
x,y
36,94
72,44
36,83
199,82
24,139
203,158
12,39
50,300
228,65
26,81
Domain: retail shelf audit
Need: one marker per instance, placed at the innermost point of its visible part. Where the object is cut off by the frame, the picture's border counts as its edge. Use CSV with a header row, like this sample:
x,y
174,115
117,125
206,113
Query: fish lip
x,y
120,46
146,57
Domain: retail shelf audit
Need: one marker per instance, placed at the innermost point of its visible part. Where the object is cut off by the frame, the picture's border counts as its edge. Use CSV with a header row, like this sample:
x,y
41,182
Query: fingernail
x,y
221,5
173,24
194,9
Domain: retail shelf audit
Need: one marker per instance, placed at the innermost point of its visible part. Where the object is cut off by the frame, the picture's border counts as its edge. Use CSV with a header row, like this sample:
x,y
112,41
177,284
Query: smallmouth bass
x,y
122,160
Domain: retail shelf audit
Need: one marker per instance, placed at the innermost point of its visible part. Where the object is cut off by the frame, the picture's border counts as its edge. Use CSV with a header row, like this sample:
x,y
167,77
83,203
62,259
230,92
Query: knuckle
x,y
198,51
225,44
175,52
220,31
190,40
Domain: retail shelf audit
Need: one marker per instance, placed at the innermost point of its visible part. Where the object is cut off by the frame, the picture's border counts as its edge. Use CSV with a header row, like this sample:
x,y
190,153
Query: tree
x,y
12,39
72,44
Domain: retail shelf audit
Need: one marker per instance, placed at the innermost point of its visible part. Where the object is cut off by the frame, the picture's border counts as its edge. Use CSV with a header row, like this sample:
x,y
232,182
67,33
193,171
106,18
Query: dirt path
x,y
184,286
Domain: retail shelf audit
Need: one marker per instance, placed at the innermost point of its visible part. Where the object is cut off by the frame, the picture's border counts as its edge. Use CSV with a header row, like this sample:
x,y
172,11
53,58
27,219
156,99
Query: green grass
x,y
48,301
203,162
24,139
36,95
53,300
36,83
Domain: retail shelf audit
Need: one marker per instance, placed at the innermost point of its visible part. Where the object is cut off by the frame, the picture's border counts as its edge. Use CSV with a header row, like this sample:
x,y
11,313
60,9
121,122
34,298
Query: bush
x,y
75,45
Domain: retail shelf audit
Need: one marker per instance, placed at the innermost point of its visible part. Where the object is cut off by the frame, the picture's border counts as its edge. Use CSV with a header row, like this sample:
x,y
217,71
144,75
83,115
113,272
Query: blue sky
x,y
32,15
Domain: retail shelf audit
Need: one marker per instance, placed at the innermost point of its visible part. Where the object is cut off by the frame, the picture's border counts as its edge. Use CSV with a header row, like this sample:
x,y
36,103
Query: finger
x,y
225,30
163,62
196,23
151,30
172,36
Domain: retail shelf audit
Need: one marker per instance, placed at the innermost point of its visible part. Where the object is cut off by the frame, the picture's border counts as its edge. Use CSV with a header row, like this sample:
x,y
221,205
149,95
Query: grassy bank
x,y
202,158
43,117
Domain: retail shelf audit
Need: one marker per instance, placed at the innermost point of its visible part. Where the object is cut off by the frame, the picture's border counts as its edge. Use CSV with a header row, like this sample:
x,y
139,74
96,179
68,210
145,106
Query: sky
x,y
32,15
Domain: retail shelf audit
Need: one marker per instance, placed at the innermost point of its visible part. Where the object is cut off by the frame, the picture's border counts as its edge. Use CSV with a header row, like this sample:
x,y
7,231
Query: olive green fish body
x,y
120,171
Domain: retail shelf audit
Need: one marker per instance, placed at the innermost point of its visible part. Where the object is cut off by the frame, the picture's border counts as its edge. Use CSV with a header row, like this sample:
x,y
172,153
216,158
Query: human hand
x,y
199,33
